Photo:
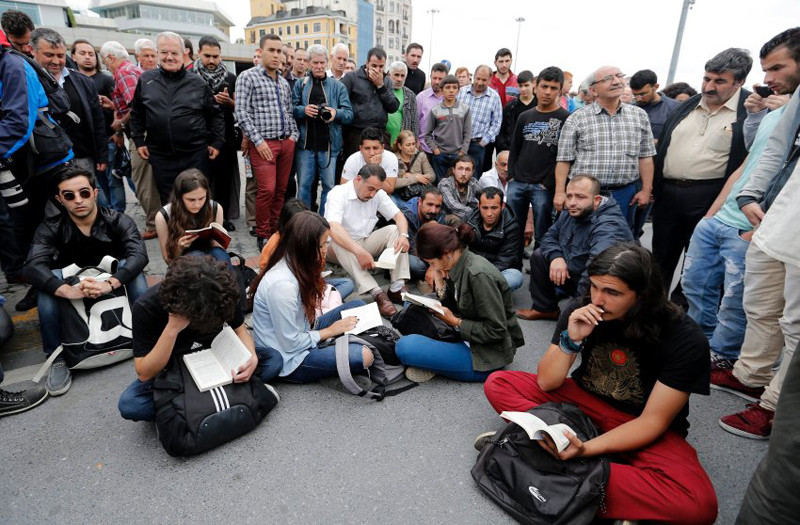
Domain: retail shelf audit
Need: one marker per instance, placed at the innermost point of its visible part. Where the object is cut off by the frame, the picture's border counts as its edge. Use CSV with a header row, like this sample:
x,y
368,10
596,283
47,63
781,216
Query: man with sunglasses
x,y
610,141
82,234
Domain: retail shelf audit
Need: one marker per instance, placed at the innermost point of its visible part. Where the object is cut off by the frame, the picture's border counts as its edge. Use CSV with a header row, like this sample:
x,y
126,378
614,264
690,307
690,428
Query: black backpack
x,y
533,487
190,422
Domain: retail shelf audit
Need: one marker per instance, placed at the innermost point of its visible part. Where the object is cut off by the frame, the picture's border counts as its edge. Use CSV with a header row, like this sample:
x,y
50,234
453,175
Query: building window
x,y
305,28
297,29
317,29
391,7
280,31
288,30
253,37
391,43
271,30
29,9
317,41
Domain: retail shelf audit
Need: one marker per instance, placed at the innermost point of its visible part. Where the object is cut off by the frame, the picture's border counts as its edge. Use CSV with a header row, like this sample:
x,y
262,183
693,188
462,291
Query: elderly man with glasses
x,y
612,142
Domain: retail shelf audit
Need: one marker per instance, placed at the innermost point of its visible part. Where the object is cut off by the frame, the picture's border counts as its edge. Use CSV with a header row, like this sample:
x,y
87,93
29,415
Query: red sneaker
x,y
725,380
755,422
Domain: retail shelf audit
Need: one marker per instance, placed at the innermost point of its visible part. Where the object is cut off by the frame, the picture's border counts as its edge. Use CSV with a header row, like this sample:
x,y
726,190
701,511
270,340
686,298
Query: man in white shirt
x,y
339,57
372,151
352,210
498,175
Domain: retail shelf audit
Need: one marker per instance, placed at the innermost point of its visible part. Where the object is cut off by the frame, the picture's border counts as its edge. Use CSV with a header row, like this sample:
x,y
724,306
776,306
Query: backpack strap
x,y
378,392
47,364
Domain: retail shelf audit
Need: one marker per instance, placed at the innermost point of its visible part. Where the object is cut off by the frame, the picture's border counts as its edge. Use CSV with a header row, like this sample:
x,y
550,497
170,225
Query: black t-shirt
x,y
79,132
317,132
622,372
104,84
534,146
150,318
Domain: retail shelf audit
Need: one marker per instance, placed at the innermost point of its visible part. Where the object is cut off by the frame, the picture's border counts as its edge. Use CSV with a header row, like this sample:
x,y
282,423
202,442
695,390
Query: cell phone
x,y
764,91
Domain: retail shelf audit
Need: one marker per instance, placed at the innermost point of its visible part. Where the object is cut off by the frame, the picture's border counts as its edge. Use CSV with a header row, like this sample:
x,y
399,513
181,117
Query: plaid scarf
x,y
215,79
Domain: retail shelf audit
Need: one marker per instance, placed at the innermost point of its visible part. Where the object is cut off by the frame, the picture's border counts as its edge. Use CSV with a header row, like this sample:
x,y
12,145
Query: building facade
x,y
393,27
47,13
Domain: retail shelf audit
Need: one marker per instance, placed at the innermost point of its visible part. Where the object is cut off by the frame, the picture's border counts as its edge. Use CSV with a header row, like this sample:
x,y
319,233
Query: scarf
x,y
215,79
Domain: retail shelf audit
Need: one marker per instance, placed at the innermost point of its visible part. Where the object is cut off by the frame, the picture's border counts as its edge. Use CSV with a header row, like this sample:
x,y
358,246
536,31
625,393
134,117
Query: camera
x,y
324,112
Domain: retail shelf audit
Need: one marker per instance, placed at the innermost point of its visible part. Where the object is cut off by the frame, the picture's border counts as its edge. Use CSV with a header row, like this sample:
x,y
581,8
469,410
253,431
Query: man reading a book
x,y
183,314
82,234
641,358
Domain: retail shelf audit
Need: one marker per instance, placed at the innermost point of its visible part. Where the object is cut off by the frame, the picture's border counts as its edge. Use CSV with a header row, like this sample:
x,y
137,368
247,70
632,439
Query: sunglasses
x,y
68,195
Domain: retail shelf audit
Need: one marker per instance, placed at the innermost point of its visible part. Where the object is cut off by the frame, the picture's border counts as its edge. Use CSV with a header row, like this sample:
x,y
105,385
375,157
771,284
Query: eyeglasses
x,y
68,195
608,78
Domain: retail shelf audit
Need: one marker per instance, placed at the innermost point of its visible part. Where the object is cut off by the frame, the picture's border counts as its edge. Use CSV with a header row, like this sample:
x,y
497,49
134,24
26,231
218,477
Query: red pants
x,y
272,178
663,482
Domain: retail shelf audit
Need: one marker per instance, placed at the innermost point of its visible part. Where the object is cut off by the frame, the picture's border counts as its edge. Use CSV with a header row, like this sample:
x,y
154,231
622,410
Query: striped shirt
x,y
264,106
486,113
604,146
125,78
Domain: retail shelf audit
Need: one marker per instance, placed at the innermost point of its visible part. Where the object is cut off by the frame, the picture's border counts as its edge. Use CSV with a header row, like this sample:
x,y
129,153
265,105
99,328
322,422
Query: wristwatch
x,y
567,345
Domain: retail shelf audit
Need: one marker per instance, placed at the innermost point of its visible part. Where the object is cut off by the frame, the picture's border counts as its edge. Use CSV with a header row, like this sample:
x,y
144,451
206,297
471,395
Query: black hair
x,y
372,170
372,134
439,67
201,289
208,41
435,240
551,74
377,53
429,190
582,176
187,43
16,23
524,76
463,158
70,173
449,79
679,88
490,192
414,45
733,59
268,36
641,78
290,208
502,52
789,38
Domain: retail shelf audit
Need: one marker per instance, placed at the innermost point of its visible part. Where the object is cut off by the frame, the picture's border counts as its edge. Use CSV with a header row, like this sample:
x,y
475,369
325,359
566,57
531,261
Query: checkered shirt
x,y
125,79
604,146
486,111
264,106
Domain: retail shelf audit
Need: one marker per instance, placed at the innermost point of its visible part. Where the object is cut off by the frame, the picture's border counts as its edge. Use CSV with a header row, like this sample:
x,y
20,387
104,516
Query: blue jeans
x,y
136,402
477,152
441,163
417,267
453,360
524,194
50,310
343,285
216,252
623,197
112,189
714,267
513,278
310,163
321,361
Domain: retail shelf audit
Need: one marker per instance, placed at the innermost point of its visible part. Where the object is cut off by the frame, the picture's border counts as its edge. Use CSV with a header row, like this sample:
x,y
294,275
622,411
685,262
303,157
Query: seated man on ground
x,y
592,224
641,358
460,190
418,211
191,305
372,151
82,234
352,210
498,238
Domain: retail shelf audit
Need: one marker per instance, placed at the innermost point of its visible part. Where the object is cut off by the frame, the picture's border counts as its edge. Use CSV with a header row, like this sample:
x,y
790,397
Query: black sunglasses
x,y
68,195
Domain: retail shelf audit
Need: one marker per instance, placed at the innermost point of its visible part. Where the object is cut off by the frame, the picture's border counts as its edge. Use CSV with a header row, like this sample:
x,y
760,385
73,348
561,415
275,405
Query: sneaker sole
x,y
25,409
482,439
274,392
735,392
61,391
419,376
741,433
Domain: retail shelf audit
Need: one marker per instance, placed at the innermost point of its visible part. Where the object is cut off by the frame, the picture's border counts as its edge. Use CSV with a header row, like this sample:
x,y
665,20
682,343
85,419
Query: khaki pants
x,y
378,241
146,192
250,191
772,305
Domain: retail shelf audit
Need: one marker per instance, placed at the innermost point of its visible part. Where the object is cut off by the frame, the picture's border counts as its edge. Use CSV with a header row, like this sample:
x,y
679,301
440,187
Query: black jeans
x,y
544,293
222,174
11,257
167,166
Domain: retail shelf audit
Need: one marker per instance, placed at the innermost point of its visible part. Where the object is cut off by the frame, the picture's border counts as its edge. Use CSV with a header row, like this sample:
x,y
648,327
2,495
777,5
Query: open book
x,y
214,232
425,302
534,427
387,259
368,317
214,366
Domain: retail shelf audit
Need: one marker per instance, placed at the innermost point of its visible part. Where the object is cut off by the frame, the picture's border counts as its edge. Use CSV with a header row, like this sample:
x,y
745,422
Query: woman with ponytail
x,y
476,301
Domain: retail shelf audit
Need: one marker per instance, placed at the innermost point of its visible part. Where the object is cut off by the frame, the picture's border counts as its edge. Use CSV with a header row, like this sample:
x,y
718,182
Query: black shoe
x,y
16,402
228,225
260,242
59,378
252,231
28,302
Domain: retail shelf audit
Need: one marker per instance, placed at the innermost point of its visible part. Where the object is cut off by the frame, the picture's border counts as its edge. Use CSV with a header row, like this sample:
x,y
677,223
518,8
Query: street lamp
x,y
430,45
676,51
519,28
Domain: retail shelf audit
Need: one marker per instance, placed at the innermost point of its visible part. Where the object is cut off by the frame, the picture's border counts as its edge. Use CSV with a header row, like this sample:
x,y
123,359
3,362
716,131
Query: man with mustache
x,y
701,145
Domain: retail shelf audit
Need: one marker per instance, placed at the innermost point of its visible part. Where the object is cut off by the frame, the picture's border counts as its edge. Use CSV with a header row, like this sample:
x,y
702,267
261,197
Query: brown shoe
x,y
385,306
149,234
536,315
397,297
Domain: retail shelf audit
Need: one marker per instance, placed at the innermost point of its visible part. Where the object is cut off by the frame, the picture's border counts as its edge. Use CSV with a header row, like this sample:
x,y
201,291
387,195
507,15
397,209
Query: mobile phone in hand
x,y
764,91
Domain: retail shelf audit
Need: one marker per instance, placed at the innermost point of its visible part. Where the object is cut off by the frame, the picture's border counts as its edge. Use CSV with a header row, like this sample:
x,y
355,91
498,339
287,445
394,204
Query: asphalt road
x,y
320,456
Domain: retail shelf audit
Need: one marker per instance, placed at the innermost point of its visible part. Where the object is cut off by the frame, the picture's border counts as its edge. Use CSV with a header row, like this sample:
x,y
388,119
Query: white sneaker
x,y
418,375
274,392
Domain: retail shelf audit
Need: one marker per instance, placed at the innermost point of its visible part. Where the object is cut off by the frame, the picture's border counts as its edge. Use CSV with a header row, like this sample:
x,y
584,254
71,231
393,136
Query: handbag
x,y
412,190
414,319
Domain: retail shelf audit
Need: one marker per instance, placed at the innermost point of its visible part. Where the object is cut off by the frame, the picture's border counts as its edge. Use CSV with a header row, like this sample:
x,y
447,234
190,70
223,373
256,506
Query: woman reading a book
x,y
476,301
288,294
190,208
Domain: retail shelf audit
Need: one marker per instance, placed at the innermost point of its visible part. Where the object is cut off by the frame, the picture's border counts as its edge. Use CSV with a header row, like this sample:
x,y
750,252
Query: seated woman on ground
x,y
189,208
482,311
414,170
291,208
288,293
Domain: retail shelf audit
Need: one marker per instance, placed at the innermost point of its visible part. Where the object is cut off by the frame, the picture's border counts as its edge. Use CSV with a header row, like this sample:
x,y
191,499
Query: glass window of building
x,y
317,28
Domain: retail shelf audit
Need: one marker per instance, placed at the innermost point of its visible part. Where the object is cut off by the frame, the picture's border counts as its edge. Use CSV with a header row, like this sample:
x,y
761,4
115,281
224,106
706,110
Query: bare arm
x,y
726,190
553,368
156,360
562,171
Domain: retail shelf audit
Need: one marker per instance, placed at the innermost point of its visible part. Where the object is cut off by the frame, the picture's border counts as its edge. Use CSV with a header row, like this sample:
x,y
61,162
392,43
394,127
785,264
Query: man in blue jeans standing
x,y
82,234
177,316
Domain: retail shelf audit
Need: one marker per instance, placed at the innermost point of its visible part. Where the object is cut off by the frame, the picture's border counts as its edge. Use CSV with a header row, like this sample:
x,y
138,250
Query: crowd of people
x,y
457,174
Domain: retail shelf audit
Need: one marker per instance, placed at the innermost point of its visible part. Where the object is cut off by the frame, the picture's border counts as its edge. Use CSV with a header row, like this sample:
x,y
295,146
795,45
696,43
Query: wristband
x,y
567,345
404,235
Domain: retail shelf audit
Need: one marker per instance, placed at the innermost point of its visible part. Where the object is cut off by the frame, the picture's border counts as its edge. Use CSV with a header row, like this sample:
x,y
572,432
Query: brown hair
x,y
401,137
435,240
180,219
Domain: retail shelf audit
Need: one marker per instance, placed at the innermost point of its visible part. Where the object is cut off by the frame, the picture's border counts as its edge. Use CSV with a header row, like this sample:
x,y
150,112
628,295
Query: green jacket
x,y
483,300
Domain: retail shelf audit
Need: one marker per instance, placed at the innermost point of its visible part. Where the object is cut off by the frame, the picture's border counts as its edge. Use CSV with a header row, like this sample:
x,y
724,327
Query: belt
x,y
478,139
686,183
615,187
284,137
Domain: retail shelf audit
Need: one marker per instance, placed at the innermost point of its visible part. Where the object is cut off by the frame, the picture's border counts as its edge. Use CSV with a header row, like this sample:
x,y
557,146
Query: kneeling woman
x,y
189,208
477,302
288,294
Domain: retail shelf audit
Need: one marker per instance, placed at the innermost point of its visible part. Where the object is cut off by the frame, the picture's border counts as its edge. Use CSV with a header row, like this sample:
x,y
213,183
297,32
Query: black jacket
x,y
503,245
58,243
176,112
738,150
91,112
371,105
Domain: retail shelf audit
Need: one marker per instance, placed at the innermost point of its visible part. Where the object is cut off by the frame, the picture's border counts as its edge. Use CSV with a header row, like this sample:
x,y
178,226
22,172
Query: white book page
x,y
229,350
368,317
425,302
534,427
387,259
206,371
326,273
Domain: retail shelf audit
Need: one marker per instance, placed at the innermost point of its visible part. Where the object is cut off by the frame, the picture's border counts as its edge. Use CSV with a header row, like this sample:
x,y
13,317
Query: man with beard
x,y
592,224
419,210
460,190
224,170
415,81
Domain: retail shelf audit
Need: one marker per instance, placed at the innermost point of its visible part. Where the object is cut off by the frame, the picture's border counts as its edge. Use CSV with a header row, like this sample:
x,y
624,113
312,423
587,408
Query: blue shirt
x,y
659,112
486,113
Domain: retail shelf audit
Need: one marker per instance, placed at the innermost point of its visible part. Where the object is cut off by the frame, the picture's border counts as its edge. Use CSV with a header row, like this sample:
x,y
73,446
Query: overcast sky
x,y
579,36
